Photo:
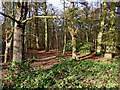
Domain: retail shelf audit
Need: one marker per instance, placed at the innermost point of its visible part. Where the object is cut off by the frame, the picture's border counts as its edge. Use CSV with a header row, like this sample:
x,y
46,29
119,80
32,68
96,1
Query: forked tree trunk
x,y
10,37
73,32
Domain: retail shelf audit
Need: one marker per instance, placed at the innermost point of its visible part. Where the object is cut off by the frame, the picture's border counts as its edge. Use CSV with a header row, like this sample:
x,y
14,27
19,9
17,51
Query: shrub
x,y
82,46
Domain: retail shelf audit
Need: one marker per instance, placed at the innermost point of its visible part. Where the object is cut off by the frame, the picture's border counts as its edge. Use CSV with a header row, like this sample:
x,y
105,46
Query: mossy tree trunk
x,y
100,34
46,29
72,30
110,43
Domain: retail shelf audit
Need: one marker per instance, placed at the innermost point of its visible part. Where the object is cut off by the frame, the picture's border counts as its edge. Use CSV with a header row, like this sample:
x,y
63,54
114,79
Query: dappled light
x,y
54,44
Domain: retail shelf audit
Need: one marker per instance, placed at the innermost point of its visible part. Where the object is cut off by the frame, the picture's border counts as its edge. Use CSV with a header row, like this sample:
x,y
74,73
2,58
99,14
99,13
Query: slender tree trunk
x,y
57,40
46,36
65,31
36,27
8,45
87,35
9,42
25,41
46,29
29,41
6,48
53,45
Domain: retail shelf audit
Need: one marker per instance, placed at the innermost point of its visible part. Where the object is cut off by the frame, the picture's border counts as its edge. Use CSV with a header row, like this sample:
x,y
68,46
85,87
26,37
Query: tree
x,y
112,35
46,29
36,26
65,29
18,41
100,32
72,30
9,37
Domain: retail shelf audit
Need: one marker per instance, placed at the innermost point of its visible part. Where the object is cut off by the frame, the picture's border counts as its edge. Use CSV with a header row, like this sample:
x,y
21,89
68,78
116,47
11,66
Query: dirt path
x,y
47,59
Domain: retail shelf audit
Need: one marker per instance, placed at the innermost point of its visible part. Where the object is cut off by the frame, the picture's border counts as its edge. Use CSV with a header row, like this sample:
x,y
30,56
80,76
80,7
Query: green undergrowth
x,y
69,73
101,54
82,46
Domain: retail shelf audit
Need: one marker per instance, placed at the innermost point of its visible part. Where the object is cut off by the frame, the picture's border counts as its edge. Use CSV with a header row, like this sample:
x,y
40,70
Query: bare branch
x,y
76,30
38,17
117,12
9,17
9,37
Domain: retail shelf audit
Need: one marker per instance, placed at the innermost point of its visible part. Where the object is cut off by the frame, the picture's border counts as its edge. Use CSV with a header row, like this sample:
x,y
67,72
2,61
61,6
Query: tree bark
x,y
46,29
110,46
100,34
18,41
36,27
10,36
72,31
57,47
65,31
74,56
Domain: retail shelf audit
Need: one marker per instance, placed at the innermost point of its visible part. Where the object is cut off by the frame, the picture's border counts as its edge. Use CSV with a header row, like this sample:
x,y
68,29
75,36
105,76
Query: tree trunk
x,y
9,42
18,42
57,40
65,31
72,31
25,41
46,29
99,42
46,36
8,45
36,27
100,34
29,41
74,56
110,46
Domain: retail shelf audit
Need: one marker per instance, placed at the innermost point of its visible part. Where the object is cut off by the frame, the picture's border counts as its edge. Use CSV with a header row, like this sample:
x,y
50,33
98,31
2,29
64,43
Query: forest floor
x,y
48,59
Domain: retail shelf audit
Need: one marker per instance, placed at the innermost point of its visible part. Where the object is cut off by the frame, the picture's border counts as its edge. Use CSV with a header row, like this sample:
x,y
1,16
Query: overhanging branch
x,y
117,12
38,17
10,17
